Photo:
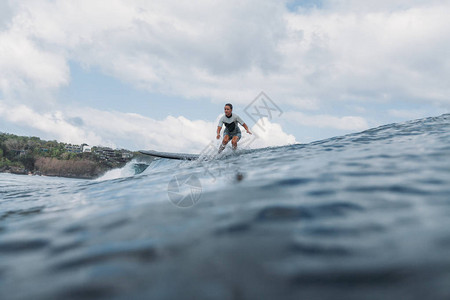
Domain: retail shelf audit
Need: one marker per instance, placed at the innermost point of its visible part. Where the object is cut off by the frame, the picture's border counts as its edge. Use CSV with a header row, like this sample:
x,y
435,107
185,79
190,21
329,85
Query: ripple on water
x,y
65,247
295,213
321,192
351,231
115,224
352,278
8,246
282,213
21,212
234,228
318,250
396,189
74,228
89,291
289,182
141,252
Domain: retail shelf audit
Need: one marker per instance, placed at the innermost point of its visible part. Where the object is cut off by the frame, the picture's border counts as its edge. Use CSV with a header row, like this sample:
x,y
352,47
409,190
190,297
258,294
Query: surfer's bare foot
x,y
221,148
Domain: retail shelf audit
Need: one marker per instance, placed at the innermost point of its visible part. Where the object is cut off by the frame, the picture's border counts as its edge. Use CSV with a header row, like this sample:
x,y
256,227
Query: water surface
x,y
363,216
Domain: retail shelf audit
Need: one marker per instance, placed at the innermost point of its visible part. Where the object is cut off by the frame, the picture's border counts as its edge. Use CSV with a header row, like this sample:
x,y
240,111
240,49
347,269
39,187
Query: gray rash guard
x,y
231,123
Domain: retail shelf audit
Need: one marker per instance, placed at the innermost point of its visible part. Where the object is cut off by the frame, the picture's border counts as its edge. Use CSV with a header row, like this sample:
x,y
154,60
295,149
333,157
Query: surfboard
x,y
170,155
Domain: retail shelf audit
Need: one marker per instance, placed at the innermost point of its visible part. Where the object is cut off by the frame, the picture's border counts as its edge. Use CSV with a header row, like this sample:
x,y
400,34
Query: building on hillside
x,y
20,152
106,153
73,148
87,148
127,154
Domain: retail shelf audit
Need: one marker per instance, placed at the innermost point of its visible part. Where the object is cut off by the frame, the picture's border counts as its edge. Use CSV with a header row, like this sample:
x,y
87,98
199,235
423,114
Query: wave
x,y
389,133
132,168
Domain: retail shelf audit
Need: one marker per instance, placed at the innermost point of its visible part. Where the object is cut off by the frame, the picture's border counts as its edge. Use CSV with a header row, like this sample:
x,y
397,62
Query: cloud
x,y
266,134
406,114
351,123
381,55
25,69
130,130
173,134
54,124
6,14
345,51
378,6
314,58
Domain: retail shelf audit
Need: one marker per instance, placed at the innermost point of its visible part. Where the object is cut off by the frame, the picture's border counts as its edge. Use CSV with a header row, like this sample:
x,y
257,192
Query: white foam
x,y
126,171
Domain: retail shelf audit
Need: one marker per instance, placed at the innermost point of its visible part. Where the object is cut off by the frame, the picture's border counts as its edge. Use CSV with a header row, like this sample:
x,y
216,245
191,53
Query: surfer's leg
x,y
234,141
225,141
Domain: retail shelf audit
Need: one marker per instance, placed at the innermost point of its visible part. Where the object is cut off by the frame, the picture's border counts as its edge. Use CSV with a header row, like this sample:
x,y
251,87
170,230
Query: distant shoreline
x,y
85,169
24,173
32,156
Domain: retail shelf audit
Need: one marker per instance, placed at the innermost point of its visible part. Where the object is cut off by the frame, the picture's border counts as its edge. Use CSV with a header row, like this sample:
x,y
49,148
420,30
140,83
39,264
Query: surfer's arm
x,y
246,128
240,121
219,128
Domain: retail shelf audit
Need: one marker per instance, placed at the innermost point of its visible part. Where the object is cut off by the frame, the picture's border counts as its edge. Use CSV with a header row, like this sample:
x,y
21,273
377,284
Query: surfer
x,y
232,130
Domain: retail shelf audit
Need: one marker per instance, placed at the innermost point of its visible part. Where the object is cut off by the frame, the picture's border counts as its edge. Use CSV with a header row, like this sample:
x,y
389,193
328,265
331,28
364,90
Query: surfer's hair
x,y
230,105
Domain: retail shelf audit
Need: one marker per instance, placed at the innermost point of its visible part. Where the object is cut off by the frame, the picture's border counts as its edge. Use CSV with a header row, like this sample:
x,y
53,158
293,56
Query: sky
x,y
142,74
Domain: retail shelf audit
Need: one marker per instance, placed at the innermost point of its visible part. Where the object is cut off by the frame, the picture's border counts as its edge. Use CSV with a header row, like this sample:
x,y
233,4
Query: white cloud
x,y
130,130
380,5
174,134
406,114
266,134
351,123
52,124
6,13
383,55
350,51
347,51
26,69
303,103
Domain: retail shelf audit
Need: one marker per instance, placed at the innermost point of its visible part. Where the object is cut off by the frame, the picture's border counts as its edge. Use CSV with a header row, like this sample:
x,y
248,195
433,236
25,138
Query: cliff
x,y
31,155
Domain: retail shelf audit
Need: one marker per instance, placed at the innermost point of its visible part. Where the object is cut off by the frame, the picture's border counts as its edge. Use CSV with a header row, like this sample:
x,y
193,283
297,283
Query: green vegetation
x,y
23,155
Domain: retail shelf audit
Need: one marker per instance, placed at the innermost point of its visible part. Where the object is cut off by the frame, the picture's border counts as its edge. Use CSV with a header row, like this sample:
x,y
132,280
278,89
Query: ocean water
x,y
362,216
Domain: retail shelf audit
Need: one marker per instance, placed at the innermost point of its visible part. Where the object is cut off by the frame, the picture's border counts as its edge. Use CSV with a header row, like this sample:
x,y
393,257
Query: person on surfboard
x,y
232,130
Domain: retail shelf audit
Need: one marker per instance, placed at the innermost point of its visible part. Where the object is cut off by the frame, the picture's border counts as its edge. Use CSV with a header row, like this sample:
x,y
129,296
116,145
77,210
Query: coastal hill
x,y
33,156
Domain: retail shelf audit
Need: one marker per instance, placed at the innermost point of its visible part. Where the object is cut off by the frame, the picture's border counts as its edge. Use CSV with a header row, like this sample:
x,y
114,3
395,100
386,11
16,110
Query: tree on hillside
x,y
28,161
13,144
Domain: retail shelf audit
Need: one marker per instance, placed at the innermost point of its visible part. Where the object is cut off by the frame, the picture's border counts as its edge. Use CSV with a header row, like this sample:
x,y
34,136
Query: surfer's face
x,y
227,111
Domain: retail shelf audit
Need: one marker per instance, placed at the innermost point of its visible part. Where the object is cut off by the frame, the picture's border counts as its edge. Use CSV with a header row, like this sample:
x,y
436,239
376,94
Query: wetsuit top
x,y
231,122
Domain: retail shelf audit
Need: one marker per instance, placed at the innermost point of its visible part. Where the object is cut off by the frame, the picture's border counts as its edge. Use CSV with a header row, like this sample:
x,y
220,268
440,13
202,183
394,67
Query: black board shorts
x,y
232,134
